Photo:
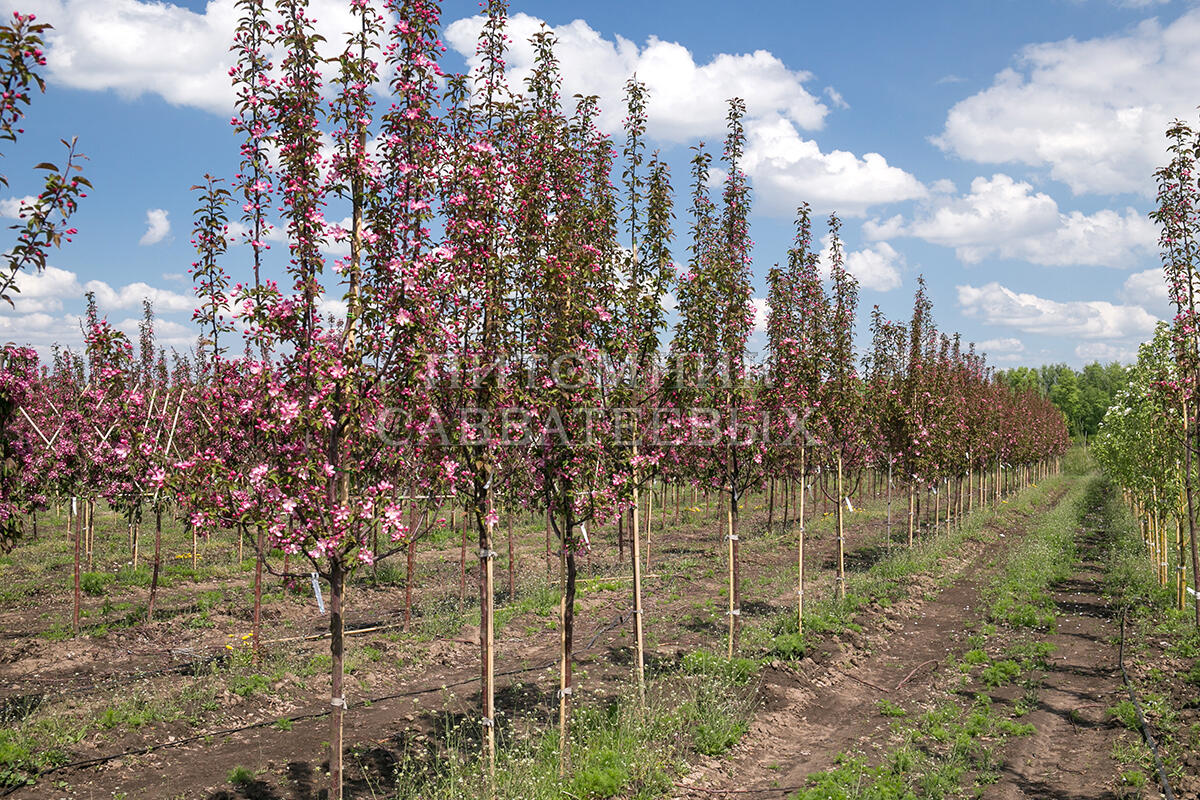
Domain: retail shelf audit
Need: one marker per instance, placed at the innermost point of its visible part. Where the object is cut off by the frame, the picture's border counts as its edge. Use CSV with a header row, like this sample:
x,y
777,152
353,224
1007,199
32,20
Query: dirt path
x,y
1070,754
811,719
815,713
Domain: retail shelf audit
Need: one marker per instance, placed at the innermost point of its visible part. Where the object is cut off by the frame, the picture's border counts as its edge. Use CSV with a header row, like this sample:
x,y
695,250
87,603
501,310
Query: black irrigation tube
x,y
139,751
1162,773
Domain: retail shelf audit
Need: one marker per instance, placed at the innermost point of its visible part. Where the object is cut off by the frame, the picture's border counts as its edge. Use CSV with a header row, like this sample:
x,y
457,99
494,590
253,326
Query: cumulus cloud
x,y
998,347
10,207
1103,351
52,288
761,310
686,98
876,267
1092,112
1005,218
687,101
1083,319
136,48
1147,289
44,310
787,169
157,227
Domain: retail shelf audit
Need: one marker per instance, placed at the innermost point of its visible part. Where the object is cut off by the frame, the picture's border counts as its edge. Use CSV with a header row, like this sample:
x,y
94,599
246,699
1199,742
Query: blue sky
x,y
1004,150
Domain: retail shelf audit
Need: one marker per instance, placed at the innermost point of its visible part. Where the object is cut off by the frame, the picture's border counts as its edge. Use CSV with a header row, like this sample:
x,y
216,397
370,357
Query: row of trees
x,y
500,335
1083,396
1150,438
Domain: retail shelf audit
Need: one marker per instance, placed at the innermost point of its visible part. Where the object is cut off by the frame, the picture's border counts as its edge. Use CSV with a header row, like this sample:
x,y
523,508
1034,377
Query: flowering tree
x,y
46,218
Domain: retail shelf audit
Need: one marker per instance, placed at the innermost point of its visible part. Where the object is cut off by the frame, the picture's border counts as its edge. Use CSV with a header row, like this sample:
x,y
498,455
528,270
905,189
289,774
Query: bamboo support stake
x,y
487,632
800,553
841,534
635,550
912,500
78,536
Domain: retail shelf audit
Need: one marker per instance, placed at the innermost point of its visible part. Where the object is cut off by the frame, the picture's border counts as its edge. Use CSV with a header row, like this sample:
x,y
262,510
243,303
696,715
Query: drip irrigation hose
x,y
1149,737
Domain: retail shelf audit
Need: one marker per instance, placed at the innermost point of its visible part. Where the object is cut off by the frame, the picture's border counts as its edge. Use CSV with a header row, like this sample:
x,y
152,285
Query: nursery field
x,y
981,660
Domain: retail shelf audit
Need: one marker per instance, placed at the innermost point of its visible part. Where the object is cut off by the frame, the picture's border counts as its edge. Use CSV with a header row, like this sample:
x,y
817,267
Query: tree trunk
x,y
258,571
735,577
912,499
157,561
635,551
512,561
800,551
841,534
408,581
487,606
889,504
337,702
770,505
78,537
566,573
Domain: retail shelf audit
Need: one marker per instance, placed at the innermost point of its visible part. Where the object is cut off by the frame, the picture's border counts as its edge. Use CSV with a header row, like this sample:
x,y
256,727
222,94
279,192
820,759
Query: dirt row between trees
x,y
415,705
813,716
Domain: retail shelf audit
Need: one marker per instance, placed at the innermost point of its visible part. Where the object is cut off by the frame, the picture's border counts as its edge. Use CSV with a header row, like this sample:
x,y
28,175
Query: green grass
x,y
702,706
942,748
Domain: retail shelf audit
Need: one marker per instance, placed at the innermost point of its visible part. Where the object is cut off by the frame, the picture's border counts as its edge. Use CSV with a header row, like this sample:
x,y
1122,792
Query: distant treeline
x,y
1082,395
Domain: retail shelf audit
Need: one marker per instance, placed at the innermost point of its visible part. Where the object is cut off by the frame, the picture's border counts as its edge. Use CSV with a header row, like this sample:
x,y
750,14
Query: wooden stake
x,y
157,560
487,607
635,550
78,536
841,534
799,550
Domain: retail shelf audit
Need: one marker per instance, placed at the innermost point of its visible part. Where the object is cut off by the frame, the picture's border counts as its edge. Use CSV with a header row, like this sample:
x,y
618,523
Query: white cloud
x,y
876,267
1004,218
687,100
1093,112
168,334
998,347
160,48
157,227
1084,319
53,287
1147,289
836,98
41,330
40,292
761,310
10,207
1102,351
788,169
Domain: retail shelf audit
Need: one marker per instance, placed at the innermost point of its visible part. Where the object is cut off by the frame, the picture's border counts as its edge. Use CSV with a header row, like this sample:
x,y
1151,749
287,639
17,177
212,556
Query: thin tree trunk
x,y
408,581
462,564
337,701
487,606
889,504
566,639
635,551
800,551
157,561
841,534
770,505
912,499
512,561
78,536
735,586
258,570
